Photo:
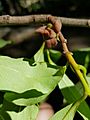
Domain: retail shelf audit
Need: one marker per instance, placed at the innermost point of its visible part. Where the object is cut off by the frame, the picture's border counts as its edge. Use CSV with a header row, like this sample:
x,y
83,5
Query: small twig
x,y
6,20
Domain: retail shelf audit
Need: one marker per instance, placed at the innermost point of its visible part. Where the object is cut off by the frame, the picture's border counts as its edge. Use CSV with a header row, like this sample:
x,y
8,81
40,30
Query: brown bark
x,y
6,20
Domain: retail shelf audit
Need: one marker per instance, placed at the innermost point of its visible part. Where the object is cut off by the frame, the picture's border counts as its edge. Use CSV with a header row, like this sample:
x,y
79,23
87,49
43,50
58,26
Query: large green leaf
x,y
66,113
29,113
72,93
18,76
23,81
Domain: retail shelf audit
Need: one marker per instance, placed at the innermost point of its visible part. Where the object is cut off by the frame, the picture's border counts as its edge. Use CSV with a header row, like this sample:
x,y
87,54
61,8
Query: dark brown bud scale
x,y
51,32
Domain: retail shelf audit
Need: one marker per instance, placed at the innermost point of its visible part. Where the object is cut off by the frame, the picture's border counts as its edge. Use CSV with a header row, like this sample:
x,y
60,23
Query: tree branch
x,y
7,20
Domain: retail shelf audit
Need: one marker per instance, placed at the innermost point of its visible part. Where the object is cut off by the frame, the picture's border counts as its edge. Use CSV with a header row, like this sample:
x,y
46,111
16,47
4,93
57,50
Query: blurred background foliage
x,y
68,8
25,42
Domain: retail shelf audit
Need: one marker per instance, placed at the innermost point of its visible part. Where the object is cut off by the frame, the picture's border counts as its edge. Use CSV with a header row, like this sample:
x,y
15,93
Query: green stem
x,y
78,72
49,59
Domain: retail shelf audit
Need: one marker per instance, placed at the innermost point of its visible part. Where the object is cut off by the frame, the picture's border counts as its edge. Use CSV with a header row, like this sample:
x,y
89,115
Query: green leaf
x,y
29,113
55,55
74,92
30,101
17,76
68,89
3,43
49,59
19,99
85,118
39,56
66,113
